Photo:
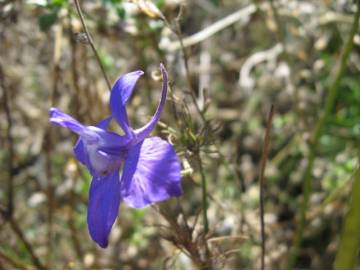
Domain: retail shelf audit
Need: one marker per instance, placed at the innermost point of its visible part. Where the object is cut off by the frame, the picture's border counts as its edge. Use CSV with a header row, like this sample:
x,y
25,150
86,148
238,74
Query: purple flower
x,y
130,168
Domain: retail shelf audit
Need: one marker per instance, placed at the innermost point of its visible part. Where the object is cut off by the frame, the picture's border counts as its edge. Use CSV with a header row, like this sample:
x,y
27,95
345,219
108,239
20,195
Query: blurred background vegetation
x,y
228,61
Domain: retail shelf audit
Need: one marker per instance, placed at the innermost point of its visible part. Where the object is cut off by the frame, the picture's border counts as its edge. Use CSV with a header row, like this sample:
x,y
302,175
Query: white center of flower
x,y
101,162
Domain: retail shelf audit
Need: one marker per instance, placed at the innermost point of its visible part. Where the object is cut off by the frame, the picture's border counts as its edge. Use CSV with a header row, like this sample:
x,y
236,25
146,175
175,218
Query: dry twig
x,y
264,157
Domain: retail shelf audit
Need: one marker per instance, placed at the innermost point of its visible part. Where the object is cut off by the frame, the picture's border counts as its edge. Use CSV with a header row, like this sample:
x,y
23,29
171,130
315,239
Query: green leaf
x,y
160,3
216,2
58,3
47,20
121,12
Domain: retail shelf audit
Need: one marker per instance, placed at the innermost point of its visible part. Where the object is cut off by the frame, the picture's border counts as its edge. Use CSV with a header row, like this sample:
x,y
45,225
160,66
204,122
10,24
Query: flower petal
x,y
143,132
125,85
96,159
151,173
89,134
103,124
120,93
62,119
104,202
80,153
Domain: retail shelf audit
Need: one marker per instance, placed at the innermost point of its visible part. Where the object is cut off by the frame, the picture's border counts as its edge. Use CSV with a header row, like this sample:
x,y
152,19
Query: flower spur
x,y
130,168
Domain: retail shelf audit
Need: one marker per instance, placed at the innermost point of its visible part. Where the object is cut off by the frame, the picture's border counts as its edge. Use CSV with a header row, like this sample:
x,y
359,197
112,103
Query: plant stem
x,y
11,261
204,194
16,228
347,252
10,146
91,42
264,157
329,103
177,32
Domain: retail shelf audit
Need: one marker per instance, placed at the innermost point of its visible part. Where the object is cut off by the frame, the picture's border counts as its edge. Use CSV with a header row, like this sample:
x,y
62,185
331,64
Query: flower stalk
x,y
204,195
91,42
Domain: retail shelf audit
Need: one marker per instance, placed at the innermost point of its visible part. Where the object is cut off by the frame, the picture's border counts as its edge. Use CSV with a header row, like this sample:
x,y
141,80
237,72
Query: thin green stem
x,y
329,104
178,33
91,42
204,195
347,252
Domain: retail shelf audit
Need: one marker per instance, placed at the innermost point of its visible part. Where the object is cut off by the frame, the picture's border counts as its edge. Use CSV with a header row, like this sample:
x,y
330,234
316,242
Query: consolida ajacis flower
x,y
131,167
